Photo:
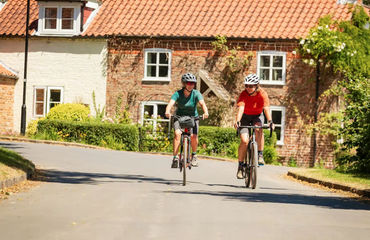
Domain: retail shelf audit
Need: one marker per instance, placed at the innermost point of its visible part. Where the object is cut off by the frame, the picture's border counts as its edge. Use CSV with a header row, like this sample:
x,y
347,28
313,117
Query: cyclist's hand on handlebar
x,y
168,115
272,125
205,115
236,125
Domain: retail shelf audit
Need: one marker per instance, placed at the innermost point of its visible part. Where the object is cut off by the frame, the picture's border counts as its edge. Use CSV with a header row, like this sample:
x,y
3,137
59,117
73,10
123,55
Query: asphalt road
x,y
103,194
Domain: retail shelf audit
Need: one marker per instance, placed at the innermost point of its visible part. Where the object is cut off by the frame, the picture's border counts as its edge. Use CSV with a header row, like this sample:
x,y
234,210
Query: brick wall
x,y
126,71
6,104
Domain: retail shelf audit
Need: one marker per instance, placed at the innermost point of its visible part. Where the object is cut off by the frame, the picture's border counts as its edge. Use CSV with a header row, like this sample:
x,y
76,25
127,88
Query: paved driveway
x,y
103,194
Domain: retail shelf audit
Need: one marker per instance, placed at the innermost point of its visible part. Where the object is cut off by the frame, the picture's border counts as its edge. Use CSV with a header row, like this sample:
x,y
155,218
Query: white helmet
x,y
251,79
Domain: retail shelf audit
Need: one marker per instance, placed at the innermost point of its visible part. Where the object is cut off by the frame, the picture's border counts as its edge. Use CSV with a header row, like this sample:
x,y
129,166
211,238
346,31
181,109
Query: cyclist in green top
x,y
186,99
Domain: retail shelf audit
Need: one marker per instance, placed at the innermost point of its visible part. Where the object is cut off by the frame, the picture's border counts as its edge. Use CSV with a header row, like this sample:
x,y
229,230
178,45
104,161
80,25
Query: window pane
x,y
163,71
55,95
265,74
161,111
51,105
152,57
40,93
277,61
67,24
148,111
265,61
67,12
163,58
278,133
51,12
151,71
276,116
50,24
39,108
277,74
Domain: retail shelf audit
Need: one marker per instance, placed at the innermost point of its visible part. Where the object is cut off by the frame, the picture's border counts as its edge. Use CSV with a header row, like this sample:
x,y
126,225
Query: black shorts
x,y
251,120
194,130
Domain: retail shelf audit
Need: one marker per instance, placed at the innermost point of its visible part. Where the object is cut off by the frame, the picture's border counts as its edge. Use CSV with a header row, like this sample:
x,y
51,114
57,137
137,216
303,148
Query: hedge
x,y
116,136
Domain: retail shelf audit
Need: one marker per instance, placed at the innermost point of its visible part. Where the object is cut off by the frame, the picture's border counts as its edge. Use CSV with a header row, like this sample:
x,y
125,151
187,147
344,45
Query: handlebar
x,y
195,118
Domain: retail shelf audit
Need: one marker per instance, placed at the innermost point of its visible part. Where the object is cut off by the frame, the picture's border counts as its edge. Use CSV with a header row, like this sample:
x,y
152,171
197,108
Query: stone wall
x,y
6,104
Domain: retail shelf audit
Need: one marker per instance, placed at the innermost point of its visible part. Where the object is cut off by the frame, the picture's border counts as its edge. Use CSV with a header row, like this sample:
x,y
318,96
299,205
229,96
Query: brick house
x,y
151,43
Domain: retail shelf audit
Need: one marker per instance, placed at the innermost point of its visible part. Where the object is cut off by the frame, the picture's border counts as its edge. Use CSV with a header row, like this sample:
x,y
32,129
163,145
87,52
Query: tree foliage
x,y
344,45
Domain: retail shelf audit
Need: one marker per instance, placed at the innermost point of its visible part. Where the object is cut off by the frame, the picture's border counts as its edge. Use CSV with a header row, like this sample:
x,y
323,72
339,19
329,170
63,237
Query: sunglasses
x,y
250,86
190,83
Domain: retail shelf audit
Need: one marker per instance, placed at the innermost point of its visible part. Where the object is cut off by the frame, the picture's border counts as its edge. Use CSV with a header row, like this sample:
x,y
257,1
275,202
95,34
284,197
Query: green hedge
x,y
116,136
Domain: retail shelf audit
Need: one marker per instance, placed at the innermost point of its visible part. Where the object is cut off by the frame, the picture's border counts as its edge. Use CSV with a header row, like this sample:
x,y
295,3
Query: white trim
x,y
155,112
47,90
2,4
59,31
282,125
157,64
283,68
90,18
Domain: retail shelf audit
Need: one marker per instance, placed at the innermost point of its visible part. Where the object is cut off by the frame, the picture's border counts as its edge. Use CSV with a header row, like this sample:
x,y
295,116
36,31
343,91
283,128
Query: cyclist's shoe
x,y
239,174
261,162
175,162
194,161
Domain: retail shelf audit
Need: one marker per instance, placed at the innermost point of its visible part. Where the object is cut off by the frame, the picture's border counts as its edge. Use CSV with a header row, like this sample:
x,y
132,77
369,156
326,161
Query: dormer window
x,y
59,18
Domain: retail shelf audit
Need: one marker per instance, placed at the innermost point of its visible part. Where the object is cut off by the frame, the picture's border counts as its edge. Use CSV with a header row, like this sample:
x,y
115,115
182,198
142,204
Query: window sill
x,y
156,80
56,34
278,83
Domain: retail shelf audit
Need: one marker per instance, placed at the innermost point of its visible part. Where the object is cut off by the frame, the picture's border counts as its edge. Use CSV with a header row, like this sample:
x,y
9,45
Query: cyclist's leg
x,y
194,144
176,144
258,121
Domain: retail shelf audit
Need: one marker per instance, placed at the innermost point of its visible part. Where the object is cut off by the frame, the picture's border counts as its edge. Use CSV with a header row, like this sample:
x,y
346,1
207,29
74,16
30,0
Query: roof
x,y
7,72
267,19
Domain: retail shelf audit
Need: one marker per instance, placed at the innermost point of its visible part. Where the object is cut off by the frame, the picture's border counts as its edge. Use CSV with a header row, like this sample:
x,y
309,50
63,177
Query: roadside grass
x,y
361,181
11,164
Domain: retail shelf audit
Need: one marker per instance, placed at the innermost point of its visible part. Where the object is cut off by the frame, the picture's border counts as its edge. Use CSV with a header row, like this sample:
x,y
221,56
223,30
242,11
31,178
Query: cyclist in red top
x,y
252,103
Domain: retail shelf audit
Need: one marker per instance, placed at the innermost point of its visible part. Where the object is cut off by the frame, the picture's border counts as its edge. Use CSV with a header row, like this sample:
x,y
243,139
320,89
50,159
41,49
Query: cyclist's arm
x,y
169,107
239,113
267,113
204,107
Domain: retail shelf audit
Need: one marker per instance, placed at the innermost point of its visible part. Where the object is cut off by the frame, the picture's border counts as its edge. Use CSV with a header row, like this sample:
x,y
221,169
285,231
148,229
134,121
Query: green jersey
x,y
187,106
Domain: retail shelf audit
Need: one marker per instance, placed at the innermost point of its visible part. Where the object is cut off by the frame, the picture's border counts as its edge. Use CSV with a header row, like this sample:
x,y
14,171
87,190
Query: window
x,y
271,67
153,112
58,18
157,65
45,98
278,118
2,3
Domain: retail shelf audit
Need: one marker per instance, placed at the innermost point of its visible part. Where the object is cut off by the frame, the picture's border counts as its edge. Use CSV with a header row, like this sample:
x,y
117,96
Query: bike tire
x,y
246,170
184,160
253,169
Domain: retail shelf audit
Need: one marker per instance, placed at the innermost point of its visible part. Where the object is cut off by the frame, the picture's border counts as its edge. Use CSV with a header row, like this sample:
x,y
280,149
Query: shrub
x,y
115,136
32,127
69,112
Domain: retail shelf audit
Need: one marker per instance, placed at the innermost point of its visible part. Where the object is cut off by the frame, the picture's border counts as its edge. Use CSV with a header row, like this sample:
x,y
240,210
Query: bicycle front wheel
x,y
253,168
184,160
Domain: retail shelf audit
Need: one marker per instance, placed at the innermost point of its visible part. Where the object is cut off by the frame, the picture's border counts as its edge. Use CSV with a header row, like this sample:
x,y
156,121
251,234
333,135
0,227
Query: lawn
x,y
11,164
361,181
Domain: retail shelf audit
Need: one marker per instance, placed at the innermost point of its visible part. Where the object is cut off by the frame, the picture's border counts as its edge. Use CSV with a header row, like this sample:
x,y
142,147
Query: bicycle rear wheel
x,y
253,168
184,160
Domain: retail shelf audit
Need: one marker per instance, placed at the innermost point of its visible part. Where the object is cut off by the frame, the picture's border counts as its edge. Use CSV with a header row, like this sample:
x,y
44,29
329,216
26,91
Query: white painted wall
x,y
77,65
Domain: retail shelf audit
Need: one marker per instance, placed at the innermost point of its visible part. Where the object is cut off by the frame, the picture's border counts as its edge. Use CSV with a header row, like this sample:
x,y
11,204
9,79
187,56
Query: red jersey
x,y
253,105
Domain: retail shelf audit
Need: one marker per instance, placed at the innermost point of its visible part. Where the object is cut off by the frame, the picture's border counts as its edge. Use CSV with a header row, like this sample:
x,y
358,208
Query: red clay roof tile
x,y
6,72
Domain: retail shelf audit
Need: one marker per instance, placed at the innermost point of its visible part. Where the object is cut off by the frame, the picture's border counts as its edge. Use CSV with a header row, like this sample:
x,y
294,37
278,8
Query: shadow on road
x,y
320,201
96,178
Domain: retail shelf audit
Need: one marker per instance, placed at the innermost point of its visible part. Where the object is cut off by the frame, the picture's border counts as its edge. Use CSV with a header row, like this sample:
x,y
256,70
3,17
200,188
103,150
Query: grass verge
x,y
360,181
12,163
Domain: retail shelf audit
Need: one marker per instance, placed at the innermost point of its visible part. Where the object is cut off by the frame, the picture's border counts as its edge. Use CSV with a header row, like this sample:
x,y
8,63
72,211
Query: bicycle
x,y
186,124
251,157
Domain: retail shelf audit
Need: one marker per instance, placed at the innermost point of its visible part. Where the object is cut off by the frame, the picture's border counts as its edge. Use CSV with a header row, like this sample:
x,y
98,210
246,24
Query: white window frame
x,y
59,31
2,3
157,78
282,125
155,112
47,90
271,54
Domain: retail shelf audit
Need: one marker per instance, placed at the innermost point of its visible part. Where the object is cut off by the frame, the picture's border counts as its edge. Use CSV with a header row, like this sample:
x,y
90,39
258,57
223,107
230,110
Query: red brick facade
x,y
126,71
6,104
